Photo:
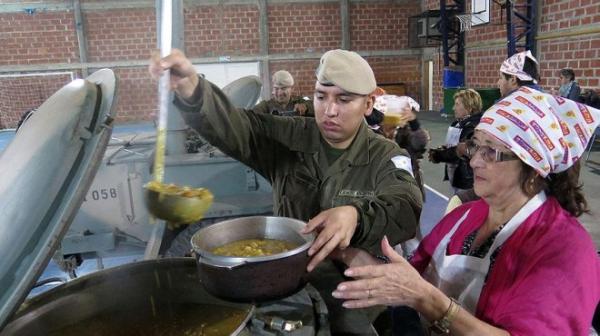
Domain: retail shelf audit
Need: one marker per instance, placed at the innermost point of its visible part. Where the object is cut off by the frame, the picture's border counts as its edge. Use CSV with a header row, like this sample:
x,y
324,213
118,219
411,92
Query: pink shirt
x,y
546,278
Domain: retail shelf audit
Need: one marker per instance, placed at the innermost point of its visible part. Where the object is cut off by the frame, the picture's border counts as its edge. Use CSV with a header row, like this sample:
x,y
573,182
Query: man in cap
x,y
282,102
521,69
352,186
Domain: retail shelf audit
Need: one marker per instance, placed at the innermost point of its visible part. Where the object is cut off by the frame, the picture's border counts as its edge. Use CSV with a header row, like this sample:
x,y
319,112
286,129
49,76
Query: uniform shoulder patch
x,y
404,163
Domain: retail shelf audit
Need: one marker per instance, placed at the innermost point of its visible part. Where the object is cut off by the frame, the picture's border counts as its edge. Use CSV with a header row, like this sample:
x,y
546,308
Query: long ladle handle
x,y
166,29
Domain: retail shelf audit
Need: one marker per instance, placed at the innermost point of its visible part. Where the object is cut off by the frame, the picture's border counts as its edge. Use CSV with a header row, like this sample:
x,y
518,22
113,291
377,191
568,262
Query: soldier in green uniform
x,y
351,185
282,102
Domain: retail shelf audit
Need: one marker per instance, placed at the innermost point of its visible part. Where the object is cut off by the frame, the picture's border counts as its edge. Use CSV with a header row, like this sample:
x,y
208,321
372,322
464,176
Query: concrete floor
x,y
590,173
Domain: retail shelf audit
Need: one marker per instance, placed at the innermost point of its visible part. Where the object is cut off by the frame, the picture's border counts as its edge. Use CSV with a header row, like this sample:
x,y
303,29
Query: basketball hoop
x,y
466,20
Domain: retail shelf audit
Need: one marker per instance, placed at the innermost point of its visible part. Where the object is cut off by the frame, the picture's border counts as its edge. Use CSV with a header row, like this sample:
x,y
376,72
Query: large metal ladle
x,y
172,203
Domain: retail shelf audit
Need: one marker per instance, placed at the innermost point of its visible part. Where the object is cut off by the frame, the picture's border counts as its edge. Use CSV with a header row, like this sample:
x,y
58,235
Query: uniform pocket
x,y
301,191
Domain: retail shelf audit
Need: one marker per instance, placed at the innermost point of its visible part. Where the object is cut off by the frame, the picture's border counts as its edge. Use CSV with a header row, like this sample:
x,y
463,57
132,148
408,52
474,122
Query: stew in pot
x,y
254,248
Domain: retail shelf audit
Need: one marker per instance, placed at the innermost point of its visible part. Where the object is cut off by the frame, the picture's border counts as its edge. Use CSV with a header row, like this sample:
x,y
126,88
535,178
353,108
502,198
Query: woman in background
x,y
568,86
467,110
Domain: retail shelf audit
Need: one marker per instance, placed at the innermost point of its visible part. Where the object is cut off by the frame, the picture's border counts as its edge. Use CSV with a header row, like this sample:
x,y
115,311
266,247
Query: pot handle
x,y
218,263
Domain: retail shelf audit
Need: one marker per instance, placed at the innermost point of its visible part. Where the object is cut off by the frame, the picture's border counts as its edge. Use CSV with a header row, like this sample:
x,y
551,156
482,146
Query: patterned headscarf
x,y
395,104
514,66
393,108
548,133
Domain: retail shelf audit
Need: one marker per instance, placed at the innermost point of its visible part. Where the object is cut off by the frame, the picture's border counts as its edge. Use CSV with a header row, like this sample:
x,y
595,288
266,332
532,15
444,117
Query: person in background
x,y
591,98
374,121
521,69
399,123
282,102
467,110
515,262
568,86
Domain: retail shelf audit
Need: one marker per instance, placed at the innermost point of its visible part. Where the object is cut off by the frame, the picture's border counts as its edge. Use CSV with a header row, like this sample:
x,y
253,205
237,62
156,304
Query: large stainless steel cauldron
x,y
257,278
134,294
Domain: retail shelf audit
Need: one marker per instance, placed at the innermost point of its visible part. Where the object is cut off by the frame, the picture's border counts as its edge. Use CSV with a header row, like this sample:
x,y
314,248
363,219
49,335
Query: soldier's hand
x,y
300,109
336,227
184,77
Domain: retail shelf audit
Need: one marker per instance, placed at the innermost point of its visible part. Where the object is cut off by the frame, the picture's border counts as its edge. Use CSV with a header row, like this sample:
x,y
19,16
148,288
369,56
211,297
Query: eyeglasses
x,y
488,154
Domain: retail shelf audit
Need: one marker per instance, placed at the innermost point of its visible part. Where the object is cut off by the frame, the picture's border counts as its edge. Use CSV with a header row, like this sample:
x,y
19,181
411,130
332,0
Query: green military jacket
x,y
290,153
273,107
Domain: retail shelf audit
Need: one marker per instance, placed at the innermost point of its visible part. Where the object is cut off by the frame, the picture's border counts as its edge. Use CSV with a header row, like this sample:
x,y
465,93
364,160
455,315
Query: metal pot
x,y
134,299
252,279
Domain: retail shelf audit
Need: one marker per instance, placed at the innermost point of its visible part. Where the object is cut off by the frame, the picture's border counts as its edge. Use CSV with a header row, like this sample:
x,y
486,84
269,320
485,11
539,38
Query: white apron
x,y
461,276
453,136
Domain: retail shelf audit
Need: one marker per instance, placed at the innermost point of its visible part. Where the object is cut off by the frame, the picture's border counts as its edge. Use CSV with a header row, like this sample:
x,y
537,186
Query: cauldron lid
x,y
243,92
44,174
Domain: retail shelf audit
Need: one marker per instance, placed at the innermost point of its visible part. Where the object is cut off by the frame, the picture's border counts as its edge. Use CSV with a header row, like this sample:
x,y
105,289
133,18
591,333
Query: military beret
x,y
346,70
283,78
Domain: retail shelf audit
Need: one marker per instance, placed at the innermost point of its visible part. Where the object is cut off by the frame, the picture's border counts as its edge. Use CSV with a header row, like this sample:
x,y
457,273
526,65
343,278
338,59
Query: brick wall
x,y
118,35
221,30
128,34
48,37
20,94
38,38
483,65
405,70
137,97
384,26
297,27
581,53
380,25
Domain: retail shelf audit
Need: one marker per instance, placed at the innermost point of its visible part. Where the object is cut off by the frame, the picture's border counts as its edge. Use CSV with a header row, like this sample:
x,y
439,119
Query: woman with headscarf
x,y
515,262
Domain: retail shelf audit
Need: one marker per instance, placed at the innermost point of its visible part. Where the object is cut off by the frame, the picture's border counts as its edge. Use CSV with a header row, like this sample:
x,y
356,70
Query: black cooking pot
x,y
253,279
154,297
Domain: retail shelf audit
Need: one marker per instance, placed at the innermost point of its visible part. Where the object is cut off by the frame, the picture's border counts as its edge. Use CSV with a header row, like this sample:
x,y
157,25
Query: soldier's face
x,y
282,94
339,114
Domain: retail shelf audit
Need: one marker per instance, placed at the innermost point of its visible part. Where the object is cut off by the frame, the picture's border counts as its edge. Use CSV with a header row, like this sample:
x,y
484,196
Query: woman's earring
x,y
531,184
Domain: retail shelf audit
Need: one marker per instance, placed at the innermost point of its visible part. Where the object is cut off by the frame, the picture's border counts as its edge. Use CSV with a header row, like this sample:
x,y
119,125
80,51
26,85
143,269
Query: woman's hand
x,y
409,114
184,77
336,227
396,283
